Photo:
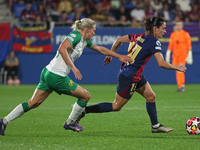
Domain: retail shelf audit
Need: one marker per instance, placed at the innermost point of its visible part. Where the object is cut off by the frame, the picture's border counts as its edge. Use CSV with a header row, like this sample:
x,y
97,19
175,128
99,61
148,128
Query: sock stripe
x,y
25,106
81,103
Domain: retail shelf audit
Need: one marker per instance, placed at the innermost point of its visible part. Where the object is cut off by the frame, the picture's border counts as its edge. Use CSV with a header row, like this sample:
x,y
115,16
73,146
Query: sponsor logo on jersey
x,y
158,43
71,83
158,47
70,38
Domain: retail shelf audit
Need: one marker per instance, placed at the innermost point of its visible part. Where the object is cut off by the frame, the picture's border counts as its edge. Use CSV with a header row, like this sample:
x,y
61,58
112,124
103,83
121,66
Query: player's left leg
x,y
150,96
83,97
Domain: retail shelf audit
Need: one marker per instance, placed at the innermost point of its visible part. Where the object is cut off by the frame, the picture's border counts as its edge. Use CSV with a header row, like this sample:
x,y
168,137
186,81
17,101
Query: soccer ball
x,y
193,125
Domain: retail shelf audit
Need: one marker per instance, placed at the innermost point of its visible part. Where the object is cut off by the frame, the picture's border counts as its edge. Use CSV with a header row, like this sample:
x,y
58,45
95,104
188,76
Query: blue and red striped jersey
x,y
141,48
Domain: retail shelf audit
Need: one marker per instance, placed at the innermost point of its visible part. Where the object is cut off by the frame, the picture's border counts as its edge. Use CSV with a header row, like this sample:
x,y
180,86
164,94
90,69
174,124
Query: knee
x,y
151,98
116,107
87,96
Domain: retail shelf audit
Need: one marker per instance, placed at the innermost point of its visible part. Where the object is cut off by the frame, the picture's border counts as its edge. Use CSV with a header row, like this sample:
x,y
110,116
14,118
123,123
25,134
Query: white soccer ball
x,y
193,125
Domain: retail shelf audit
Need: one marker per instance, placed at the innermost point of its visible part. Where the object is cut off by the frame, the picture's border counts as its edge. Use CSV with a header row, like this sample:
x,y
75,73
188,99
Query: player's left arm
x,y
164,64
107,52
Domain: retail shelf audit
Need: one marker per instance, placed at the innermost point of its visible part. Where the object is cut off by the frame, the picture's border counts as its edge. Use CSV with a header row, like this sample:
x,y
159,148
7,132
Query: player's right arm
x,y
115,46
164,64
63,50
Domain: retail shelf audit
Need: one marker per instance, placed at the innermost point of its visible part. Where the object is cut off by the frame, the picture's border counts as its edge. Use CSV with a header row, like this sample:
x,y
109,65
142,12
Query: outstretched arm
x,y
107,52
116,44
63,50
163,64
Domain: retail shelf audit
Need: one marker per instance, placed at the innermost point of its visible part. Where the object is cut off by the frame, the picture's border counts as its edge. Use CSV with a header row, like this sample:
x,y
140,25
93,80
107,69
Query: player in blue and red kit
x,y
130,78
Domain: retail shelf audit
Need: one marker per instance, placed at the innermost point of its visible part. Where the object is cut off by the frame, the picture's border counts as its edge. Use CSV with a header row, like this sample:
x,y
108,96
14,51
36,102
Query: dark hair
x,y
151,22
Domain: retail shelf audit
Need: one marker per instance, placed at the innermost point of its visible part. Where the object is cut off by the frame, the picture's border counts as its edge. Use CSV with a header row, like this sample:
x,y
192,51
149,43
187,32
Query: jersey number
x,y
135,52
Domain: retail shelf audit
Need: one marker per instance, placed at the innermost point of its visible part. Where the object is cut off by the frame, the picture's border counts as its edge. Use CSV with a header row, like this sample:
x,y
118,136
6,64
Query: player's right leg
x,y
38,97
123,94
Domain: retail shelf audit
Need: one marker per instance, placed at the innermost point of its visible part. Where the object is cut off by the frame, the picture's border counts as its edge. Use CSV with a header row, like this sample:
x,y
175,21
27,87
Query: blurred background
x,y
34,29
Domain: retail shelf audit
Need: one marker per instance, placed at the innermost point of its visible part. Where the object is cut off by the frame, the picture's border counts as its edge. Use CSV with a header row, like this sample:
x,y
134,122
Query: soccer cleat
x,y
2,127
80,117
161,128
181,89
75,127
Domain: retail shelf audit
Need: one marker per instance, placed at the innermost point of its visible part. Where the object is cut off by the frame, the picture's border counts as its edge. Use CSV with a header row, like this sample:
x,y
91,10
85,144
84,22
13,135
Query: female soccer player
x,y
54,76
130,78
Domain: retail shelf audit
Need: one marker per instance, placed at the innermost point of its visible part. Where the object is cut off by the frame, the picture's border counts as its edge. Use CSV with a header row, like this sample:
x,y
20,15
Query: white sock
x,y
76,112
17,112
156,125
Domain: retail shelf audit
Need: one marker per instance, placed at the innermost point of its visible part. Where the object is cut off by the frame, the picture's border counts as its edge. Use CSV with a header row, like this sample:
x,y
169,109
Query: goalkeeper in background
x,y
180,46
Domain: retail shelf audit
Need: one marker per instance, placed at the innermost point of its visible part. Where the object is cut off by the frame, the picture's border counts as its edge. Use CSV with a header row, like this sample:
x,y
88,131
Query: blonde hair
x,y
83,23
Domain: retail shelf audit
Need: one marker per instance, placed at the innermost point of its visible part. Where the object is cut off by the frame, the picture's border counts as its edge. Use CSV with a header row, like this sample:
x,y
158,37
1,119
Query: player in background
x,y
54,77
180,46
130,78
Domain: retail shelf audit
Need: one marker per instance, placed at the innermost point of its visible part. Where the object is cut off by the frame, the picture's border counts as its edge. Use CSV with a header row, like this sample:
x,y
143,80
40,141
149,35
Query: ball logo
x,y
194,128
71,83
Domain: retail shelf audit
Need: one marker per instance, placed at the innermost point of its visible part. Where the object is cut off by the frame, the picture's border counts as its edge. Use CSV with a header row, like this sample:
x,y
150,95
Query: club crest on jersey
x,y
71,83
73,35
158,43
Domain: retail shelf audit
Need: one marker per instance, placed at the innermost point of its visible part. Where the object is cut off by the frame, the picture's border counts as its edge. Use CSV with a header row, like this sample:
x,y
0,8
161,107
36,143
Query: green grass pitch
x,y
128,129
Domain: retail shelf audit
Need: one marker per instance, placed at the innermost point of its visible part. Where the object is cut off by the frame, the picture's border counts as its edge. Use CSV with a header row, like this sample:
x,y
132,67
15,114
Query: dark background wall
x,y
91,63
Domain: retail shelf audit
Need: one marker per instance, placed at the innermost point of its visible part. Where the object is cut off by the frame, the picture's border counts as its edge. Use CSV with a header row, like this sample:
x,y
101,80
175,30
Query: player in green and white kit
x,y
54,76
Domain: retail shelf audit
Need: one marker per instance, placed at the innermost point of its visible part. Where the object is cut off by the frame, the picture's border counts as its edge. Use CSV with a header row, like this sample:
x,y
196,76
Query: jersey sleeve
x,y
89,43
156,47
74,37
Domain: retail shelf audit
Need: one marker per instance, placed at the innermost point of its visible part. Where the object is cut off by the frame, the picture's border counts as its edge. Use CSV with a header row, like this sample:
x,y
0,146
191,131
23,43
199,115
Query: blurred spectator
x,y
167,15
186,19
65,5
105,5
184,4
38,21
90,8
178,12
171,4
194,14
157,6
64,20
28,14
150,12
122,11
51,7
41,12
78,7
128,4
100,15
138,14
115,4
110,21
123,22
146,4
12,66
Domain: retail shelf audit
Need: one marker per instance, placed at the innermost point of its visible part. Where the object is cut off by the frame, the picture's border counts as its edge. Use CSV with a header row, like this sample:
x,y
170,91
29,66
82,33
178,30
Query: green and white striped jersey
x,y
58,65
